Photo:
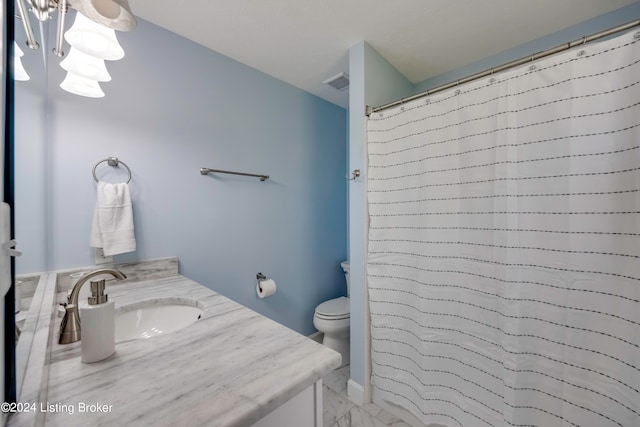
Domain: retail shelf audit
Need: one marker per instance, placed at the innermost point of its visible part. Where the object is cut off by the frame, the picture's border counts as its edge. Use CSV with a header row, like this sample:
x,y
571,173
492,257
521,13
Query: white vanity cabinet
x,y
303,410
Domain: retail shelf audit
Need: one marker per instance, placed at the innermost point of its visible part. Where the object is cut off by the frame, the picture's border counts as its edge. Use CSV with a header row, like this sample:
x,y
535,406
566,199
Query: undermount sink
x,y
151,318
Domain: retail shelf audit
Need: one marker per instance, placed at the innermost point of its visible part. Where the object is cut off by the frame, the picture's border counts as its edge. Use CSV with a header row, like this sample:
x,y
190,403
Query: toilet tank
x,y
345,268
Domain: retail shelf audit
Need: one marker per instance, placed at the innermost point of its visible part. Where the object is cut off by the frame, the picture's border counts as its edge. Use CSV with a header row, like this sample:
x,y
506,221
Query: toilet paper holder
x,y
260,277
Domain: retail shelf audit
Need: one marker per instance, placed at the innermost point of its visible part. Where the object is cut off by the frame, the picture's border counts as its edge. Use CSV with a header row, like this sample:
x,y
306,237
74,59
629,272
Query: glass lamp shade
x,y
19,73
94,39
17,51
81,86
85,66
115,14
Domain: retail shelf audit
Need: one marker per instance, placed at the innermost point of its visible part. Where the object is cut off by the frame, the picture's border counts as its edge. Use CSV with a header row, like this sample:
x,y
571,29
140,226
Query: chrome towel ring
x,y
111,161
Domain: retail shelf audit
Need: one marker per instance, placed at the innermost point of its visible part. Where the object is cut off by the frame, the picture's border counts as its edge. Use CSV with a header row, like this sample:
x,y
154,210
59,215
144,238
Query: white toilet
x,y
332,318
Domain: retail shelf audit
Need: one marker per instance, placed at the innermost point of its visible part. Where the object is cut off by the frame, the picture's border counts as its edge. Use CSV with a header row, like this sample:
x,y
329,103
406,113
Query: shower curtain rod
x,y
506,66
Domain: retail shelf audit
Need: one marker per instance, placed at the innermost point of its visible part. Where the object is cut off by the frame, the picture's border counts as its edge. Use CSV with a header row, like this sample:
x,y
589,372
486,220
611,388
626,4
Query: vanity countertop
x,y
229,368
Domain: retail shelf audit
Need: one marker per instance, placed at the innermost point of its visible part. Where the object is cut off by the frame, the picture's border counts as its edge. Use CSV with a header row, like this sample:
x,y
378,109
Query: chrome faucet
x,y
70,326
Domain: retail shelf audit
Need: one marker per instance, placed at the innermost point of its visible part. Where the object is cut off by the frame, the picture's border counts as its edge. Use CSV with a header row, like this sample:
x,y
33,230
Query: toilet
x,y
332,317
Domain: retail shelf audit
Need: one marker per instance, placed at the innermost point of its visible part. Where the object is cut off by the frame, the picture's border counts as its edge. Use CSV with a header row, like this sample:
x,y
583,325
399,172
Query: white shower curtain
x,y
504,253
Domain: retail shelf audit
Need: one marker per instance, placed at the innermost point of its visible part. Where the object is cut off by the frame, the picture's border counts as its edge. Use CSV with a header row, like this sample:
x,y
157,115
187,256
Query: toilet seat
x,y
334,309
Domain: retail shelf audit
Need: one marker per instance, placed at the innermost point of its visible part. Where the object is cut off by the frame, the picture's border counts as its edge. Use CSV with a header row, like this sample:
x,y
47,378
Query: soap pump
x,y
98,325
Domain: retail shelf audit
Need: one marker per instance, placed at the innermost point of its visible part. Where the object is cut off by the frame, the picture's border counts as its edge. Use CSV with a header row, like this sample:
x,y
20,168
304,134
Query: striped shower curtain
x,y
503,250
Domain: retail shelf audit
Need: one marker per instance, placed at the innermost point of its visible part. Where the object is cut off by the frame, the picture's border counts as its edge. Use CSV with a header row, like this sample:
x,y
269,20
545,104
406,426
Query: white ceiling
x,y
305,42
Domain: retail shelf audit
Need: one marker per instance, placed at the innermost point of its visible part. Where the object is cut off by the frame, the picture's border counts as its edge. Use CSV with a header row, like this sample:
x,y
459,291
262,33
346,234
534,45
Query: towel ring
x,y
111,161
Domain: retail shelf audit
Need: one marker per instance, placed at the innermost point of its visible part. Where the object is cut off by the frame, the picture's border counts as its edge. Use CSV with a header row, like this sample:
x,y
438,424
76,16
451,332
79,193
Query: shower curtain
x,y
503,264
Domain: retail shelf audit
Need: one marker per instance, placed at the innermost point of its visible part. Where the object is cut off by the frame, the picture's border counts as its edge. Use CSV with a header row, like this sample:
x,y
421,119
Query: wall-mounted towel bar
x,y
205,171
111,161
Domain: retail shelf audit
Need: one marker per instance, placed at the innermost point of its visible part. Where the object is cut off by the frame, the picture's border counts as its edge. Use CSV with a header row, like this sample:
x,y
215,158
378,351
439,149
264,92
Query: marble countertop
x,y
229,368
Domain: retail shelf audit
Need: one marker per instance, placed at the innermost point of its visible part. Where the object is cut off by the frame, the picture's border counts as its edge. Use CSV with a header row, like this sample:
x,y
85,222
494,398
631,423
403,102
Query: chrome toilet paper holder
x,y
260,277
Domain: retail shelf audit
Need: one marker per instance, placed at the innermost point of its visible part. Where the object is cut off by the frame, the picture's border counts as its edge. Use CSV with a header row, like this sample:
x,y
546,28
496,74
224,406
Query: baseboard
x,y
355,392
317,337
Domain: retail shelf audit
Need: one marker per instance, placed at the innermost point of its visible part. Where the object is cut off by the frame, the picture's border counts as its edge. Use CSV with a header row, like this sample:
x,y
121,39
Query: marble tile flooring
x,y
339,411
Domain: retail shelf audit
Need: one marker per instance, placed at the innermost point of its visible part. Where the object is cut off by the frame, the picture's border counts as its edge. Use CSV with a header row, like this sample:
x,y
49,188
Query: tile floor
x,y
339,411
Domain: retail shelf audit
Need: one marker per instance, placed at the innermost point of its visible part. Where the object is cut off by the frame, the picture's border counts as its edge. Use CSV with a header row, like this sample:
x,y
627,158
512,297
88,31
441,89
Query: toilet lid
x,y
334,308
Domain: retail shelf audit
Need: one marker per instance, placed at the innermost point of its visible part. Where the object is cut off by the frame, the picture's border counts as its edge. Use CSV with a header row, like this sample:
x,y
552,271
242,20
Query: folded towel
x,y
112,228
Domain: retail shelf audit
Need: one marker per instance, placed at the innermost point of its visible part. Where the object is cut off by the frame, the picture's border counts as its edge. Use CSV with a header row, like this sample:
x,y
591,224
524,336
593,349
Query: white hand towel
x,y
113,220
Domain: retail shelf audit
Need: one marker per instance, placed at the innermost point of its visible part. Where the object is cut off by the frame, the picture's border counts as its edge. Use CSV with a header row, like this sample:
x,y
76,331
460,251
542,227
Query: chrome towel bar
x,y
205,171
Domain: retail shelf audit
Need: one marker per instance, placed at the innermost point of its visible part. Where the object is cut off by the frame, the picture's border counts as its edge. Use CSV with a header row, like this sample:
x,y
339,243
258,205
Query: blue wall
x,y
172,107
373,81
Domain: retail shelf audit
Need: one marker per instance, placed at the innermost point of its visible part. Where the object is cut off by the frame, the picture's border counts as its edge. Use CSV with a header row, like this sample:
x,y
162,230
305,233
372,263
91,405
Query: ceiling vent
x,y
339,81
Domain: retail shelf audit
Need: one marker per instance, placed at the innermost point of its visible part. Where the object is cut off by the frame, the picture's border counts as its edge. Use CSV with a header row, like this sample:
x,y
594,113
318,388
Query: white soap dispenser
x,y
98,325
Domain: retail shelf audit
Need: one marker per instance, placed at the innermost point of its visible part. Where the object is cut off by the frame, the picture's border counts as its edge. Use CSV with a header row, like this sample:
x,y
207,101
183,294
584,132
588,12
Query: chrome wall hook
x,y
355,174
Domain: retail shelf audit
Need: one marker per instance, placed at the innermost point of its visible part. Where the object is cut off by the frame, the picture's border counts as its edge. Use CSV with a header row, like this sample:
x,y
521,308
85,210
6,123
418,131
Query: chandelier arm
x,y
62,12
24,17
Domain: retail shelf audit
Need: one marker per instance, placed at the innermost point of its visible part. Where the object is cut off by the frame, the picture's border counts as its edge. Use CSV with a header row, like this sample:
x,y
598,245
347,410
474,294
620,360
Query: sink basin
x,y
151,318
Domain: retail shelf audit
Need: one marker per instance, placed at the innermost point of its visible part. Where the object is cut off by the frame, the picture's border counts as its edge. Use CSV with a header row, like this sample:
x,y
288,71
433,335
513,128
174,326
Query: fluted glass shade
x,y
85,66
19,73
115,14
94,39
81,86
